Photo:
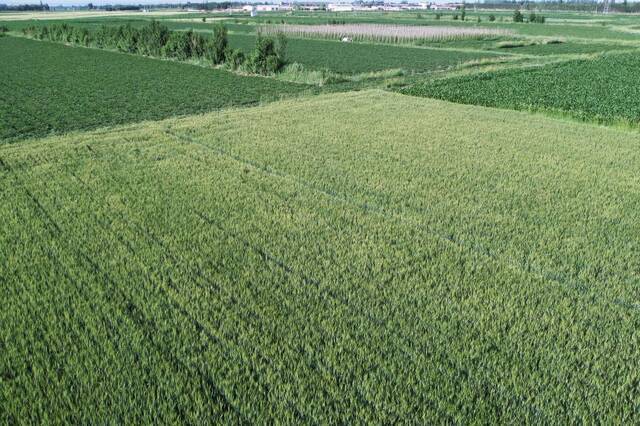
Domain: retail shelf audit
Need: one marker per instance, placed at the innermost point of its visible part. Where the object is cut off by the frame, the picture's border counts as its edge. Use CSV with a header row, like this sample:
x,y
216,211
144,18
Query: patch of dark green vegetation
x,y
604,90
53,88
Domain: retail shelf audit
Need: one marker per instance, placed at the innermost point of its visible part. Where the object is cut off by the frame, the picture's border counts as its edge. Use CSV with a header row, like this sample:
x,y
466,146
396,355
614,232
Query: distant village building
x,y
311,7
446,6
340,7
349,7
267,8
254,9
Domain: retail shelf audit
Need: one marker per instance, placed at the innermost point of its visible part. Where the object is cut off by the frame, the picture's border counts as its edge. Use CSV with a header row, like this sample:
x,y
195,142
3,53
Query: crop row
x,y
282,263
51,88
605,89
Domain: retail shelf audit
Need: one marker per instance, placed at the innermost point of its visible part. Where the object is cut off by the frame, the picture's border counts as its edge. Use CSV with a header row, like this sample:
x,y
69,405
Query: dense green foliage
x,y
48,87
418,262
218,52
360,57
152,39
517,16
605,89
268,56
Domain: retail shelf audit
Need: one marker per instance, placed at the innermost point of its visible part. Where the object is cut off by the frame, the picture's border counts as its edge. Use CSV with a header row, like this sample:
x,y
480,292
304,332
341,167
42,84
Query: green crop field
x,y
218,268
351,58
51,88
208,221
606,89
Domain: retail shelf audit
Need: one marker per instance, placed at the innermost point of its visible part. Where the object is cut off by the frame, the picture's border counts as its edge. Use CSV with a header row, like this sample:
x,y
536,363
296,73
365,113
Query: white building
x,y
446,6
267,8
333,7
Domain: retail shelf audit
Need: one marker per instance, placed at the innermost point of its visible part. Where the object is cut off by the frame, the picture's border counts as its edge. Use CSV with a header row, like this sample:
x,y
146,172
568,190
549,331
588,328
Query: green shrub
x,y
492,18
103,37
178,46
235,59
127,39
217,47
152,38
281,47
197,44
80,36
517,16
265,48
268,57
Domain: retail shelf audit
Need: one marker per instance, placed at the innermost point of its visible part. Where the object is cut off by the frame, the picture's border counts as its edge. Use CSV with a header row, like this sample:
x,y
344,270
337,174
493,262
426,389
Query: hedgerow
x,y
156,40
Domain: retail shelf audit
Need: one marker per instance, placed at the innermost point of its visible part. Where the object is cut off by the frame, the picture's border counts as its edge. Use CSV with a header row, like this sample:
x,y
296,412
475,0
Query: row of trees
x,y
156,40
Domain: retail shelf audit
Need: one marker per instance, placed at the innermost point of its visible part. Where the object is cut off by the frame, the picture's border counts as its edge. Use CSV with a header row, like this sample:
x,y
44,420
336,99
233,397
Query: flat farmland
x,y
434,225
353,58
251,266
51,88
605,89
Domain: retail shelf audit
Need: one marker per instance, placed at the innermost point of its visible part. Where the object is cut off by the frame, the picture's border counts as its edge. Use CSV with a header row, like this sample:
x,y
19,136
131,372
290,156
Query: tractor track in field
x,y
127,307
547,275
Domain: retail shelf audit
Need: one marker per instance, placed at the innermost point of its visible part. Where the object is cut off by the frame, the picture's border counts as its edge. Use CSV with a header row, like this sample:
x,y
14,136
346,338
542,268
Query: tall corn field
x,y
382,33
